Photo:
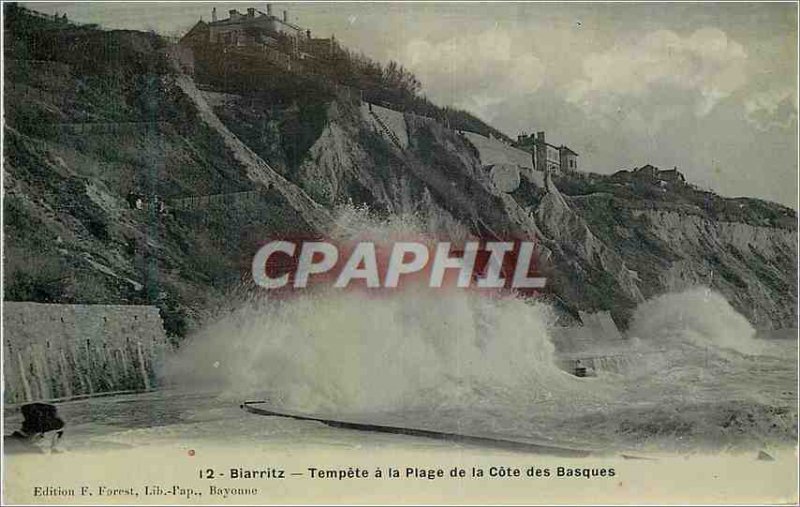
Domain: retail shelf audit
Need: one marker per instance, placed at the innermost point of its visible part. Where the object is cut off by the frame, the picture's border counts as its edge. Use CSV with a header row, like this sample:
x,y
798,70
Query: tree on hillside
x,y
398,77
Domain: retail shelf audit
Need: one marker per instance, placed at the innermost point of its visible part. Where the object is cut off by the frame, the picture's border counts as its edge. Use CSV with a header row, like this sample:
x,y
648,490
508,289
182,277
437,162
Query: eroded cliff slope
x,y
127,181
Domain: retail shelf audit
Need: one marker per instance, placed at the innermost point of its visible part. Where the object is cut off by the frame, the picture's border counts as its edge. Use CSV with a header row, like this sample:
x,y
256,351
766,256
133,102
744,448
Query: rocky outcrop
x,y
596,257
446,167
579,248
750,265
340,166
257,169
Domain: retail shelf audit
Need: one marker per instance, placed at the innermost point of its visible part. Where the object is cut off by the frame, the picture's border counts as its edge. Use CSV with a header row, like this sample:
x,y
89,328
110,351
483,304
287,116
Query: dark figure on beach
x,y
40,421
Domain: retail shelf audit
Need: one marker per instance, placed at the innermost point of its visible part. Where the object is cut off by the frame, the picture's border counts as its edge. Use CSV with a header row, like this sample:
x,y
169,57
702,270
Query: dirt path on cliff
x,y
258,170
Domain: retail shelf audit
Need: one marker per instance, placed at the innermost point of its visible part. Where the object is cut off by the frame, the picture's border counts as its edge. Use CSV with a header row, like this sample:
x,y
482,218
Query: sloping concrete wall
x,y
495,152
57,351
394,121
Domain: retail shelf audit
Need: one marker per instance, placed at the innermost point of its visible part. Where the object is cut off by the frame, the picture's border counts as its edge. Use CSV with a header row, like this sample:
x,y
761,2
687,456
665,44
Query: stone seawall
x,y
55,351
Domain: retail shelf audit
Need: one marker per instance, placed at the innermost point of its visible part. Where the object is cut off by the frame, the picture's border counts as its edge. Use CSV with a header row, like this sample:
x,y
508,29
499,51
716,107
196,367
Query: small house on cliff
x,y
259,30
546,156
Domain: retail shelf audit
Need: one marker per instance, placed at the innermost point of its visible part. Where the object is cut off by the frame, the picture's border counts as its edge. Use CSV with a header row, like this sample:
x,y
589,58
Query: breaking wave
x,y
333,350
348,352
444,358
699,317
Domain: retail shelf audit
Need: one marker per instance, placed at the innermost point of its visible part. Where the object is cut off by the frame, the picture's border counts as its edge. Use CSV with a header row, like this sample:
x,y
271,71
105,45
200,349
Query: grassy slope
x,y
71,234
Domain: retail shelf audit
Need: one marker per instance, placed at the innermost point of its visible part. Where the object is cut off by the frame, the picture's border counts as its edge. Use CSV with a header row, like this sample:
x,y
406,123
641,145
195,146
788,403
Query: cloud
x,y
776,108
475,72
698,70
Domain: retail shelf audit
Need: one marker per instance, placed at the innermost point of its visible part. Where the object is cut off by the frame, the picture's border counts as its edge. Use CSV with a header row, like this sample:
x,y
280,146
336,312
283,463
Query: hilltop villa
x,y
546,156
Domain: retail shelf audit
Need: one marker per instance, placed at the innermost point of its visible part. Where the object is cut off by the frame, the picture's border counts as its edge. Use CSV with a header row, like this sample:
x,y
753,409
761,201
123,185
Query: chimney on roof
x,y
269,10
285,16
214,15
233,13
540,137
308,33
251,12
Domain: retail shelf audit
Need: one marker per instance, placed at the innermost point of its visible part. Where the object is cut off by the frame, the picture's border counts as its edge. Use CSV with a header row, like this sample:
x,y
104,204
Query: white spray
x,y
333,350
419,351
698,317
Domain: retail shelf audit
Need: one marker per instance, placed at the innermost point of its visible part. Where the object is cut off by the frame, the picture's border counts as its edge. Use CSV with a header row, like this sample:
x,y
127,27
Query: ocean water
x,y
460,363
696,377
693,376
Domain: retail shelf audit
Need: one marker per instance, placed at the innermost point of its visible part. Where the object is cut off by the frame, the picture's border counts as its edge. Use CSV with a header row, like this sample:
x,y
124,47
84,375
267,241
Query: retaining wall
x,y
55,351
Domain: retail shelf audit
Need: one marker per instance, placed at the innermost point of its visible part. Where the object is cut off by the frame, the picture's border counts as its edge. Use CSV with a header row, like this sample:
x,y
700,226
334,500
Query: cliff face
x,y
743,248
750,265
602,251
83,145
590,272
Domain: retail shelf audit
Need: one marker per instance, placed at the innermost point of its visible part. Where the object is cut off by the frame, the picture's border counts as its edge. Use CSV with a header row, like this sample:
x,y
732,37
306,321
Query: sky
x,y
709,88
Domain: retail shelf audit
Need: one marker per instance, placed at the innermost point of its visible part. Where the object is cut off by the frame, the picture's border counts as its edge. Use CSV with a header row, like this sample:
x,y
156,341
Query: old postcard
x,y
399,253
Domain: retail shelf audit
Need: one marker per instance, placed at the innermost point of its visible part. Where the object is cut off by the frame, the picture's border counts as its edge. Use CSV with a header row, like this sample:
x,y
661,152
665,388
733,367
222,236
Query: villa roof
x,y
244,18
